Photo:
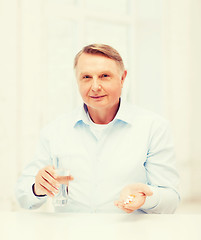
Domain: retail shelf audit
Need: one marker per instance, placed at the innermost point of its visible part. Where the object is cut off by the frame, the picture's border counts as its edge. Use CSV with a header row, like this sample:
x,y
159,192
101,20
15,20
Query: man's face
x,y
100,81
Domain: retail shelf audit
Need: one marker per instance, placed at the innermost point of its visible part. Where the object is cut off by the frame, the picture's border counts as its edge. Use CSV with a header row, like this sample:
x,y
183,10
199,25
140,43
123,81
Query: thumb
x,y
70,178
147,191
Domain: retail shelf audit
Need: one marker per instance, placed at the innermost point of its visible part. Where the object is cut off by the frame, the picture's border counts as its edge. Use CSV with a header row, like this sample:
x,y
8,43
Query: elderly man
x,y
121,157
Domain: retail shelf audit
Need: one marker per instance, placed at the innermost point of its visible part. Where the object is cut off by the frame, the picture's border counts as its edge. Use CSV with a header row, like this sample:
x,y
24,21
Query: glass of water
x,y
61,198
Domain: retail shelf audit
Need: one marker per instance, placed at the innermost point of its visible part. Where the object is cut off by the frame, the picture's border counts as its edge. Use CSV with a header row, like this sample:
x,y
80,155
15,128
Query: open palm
x,y
139,190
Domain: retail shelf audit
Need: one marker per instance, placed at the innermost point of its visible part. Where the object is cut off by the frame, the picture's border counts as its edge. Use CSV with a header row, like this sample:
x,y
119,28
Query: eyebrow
x,y
102,72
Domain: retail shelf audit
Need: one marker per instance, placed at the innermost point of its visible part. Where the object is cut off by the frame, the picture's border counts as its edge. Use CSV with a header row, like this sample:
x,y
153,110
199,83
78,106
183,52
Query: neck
x,y
103,116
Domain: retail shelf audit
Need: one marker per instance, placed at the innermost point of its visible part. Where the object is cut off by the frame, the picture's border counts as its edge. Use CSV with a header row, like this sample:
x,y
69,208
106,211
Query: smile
x,y
97,97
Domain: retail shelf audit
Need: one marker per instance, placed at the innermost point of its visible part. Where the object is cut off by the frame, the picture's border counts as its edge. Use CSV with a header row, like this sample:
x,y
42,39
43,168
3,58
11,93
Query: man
x,y
121,157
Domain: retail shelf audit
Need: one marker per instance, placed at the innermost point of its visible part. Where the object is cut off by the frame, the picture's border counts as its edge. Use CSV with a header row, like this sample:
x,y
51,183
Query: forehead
x,y
96,62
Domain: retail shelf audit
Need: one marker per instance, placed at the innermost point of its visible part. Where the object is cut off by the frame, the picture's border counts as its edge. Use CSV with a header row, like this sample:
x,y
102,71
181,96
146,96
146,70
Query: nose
x,y
95,85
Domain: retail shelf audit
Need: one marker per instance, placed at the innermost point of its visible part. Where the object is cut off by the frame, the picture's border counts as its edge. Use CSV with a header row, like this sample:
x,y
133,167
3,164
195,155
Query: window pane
x,y
116,6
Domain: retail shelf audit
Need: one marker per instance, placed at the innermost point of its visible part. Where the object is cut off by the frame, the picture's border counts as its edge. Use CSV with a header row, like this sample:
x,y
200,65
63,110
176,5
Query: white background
x,y
159,41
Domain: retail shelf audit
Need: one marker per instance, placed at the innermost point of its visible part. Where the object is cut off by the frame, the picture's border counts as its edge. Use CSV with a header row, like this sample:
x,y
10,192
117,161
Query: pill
x,y
129,199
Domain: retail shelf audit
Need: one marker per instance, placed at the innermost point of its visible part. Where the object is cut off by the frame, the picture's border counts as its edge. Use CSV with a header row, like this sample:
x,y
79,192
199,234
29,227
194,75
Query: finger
x,y
51,171
137,188
51,180
147,191
144,189
70,178
125,209
119,203
129,207
47,185
64,179
136,203
46,191
128,210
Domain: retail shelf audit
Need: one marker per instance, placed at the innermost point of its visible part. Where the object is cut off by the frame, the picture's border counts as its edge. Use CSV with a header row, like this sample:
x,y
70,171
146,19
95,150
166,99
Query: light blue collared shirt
x,y
135,147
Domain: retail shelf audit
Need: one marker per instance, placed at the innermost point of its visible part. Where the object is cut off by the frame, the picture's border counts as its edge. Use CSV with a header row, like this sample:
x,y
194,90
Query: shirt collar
x,y
81,116
123,114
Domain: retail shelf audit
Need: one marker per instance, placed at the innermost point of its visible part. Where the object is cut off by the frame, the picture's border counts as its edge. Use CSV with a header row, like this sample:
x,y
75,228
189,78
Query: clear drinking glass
x,y
61,198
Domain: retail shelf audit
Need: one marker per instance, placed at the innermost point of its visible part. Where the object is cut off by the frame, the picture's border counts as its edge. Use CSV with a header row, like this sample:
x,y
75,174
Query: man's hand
x,y
139,190
47,182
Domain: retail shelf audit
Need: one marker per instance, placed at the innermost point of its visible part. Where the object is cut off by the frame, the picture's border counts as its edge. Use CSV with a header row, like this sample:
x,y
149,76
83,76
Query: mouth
x,y
97,97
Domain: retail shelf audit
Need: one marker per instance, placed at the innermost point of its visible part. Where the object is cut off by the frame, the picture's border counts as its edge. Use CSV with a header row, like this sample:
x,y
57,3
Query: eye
x,y
86,76
105,76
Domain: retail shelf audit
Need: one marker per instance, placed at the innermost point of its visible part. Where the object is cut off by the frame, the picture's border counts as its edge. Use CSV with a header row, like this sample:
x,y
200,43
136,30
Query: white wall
x,y
183,54
160,41
9,79
195,80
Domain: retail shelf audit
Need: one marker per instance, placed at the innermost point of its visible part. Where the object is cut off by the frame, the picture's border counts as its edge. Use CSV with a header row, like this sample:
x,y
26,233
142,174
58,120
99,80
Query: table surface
x,y
70,226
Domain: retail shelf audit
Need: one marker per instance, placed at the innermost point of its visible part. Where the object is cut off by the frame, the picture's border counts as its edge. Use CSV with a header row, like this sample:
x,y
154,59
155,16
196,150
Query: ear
x,y
123,77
